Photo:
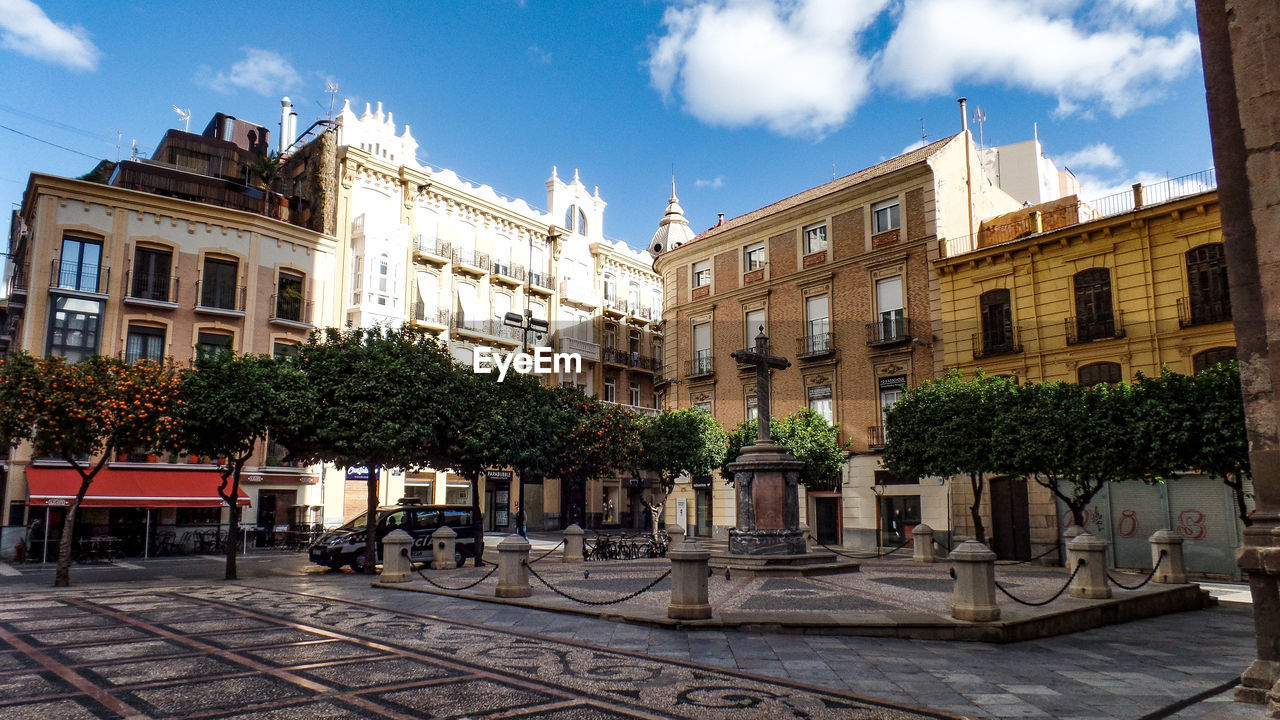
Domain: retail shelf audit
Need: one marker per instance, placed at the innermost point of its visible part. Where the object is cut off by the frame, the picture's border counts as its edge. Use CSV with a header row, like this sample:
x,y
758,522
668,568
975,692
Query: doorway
x,y
899,515
1010,521
826,519
702,512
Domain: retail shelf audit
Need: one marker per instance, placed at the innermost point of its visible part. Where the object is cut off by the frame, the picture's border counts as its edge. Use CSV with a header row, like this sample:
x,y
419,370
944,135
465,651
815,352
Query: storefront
x,y
497,501
704,522
125,512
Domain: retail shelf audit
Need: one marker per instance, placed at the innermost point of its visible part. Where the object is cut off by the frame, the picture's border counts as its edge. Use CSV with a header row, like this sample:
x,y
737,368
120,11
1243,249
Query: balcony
x,y
615,305
1106,327
468,260
19,281
638,409
511,273
892,329
79,277
701,366
541,283
638,311
433,250
152,289
815,346
634,360
1192,311
587,350
433,316
579,294
995,344
220,299
291,310
875,437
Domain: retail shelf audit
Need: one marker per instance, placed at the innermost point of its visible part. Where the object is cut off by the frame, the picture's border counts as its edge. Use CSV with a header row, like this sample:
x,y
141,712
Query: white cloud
x,y
1037,46
25,28
1098,155
1151,12
789,65
715,183
262,71
540,55
914,146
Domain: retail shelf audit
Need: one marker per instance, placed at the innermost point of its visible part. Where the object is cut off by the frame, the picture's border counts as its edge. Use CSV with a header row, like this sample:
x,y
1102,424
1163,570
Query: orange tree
x,y
229,405
96,408
602,440
679,442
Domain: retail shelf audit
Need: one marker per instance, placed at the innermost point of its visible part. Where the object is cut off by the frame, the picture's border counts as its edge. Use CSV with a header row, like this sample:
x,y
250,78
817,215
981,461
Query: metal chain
x,y
1152,574
615,601
860,557
543,555
456,589
1061,590
1006,563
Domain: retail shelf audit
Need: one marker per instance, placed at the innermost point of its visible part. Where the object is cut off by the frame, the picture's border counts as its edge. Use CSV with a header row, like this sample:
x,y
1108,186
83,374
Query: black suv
x,y
345,545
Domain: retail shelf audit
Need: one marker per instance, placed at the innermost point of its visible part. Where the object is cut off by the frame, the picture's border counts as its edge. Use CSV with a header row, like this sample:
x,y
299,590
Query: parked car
x,y
345,545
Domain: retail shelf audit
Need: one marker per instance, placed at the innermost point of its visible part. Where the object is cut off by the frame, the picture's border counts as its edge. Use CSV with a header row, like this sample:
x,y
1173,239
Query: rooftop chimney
x,y
286,108
964,114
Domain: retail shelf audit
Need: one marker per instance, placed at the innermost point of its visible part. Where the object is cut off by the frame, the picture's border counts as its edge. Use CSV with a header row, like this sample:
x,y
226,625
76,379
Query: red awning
x,y
128,488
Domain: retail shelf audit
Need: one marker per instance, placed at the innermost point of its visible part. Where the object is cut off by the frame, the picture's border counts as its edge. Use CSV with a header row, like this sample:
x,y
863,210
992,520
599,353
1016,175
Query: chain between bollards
x,y
543,555
615,601
1041,603
852,556
1007,563
1152,574
492,570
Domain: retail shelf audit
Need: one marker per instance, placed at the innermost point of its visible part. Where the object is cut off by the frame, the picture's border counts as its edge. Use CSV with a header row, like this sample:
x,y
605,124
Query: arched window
x,y
1207,298
582,222
382,279
1103,372
569,215
1204,360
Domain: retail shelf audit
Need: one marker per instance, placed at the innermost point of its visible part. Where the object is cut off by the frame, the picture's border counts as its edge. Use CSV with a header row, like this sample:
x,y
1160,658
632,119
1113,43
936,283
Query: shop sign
x,y
358,473
889,383
702,482
254,479
635,482
498,475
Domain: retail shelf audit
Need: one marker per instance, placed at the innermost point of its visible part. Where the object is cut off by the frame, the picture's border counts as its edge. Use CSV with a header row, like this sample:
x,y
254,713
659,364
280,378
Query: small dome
x,y
673,229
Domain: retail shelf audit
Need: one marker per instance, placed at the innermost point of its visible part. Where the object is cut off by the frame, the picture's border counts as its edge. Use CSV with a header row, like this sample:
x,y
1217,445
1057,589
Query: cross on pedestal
x,y
764,362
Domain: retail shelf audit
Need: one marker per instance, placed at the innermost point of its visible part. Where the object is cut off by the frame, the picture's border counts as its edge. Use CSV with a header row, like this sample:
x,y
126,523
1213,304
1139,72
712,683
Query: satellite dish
x,y
186,117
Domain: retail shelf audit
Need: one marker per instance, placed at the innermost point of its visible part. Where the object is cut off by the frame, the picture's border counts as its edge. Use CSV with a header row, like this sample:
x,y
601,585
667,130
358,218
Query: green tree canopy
x,y
602,440
808,436
678,442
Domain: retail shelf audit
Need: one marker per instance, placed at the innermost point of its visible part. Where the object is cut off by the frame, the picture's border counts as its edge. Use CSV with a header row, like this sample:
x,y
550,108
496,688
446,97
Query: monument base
x,y
767,542
803,564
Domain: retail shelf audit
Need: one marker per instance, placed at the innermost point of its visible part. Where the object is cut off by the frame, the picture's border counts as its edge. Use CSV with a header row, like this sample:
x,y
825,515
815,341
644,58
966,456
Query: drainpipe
x,y
968,168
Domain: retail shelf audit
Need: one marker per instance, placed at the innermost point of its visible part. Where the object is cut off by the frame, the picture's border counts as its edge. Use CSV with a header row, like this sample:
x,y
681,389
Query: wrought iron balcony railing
x,y
1203,312
875,436
434,315
153,287
1106,327
69,275
434,247
541,280
509,269
701,365
291,308
218,296
994,344
890,330
816,345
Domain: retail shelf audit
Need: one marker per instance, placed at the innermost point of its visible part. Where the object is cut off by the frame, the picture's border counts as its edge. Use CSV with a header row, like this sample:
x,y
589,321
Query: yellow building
x,y
1093,293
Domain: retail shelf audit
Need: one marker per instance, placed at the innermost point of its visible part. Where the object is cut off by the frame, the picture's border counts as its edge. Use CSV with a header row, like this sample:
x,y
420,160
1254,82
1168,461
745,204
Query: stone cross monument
x,y
766,476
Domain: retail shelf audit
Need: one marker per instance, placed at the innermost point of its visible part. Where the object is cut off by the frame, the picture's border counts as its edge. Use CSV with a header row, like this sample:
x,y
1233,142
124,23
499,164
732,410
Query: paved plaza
x,y
309,643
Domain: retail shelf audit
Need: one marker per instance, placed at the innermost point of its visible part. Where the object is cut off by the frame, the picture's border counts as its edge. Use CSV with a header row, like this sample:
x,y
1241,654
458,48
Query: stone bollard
x,y
1091,581
1072,532
688,581
395,557
676,534
443,543
974,598
804,533
1173,570
513,571
572,544
923,539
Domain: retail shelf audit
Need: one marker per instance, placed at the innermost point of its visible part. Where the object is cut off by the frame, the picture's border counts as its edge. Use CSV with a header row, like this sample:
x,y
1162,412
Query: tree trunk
x,y
371,525
477,520
1077,511
1237,491
62,576
976,481
233,515
655,512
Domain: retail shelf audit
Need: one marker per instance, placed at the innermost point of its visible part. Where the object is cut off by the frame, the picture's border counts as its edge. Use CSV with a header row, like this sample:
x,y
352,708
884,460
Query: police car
x,y
345,545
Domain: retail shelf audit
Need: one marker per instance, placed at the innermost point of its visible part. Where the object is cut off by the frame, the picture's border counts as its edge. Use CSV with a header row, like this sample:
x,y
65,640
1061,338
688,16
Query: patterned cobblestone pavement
x,y
232,651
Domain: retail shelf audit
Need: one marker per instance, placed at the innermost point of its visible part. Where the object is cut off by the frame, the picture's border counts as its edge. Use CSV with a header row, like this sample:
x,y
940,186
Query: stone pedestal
x,y
974,597
1072,532
443,548
675,535
688,582
805,533
513,572
395,557
1091,581
767,479
922,537
1172,569
572,544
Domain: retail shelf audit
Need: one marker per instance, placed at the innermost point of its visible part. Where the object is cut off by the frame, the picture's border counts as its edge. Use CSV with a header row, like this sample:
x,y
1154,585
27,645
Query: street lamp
x,y
526,322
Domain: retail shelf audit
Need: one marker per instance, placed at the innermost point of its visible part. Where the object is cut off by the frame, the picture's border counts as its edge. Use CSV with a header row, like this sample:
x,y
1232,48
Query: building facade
x,y
840,278
1096,292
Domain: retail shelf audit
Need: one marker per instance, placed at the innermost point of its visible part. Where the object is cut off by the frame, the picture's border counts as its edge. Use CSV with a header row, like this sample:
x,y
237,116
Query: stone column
x,y
395,557
676,534
688,582
1091,581
443,544
1072,532
922,536
804,534
513,570
974,598
572,544
1172,570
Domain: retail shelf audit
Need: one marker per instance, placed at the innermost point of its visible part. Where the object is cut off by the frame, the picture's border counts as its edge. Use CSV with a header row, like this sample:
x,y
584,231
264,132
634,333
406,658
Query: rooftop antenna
x,y
924,139
134,154
331,88
186,117
979,117
119,139
833,169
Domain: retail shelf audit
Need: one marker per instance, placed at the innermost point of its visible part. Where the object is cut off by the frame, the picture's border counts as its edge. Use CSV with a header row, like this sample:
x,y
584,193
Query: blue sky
x,y
748,100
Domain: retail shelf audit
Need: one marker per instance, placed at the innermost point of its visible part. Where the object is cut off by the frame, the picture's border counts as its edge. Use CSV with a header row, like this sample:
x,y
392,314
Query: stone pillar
x,y
443,545
804,534
676,534
513,570
1172,570
395,557
572,544
1072,532
922,536
1091,581
974,598
688,582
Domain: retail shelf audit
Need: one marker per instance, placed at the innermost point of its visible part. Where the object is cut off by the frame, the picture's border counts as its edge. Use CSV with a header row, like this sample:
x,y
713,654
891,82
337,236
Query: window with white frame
x,y
815,238
428,296
755,325
382,280
501,306
820,401
892,317
701,348
753,257
633,295
468,302
426,225
467,243
610,287
702,273
753,408
817,323
891,391
885,216
502,255
610,390
634,398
